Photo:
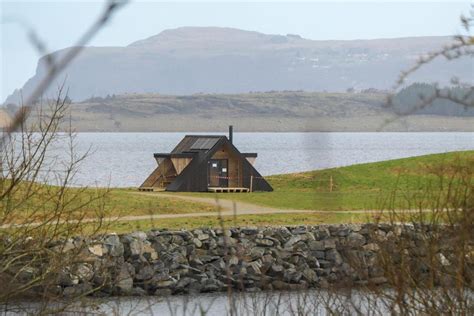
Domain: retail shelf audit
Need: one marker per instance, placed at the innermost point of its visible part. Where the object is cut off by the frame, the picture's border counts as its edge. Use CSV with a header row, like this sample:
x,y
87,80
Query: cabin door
x,y
218,173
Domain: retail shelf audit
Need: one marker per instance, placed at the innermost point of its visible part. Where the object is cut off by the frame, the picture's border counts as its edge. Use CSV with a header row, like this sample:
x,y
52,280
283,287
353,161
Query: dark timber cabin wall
x,y
185,169
234,166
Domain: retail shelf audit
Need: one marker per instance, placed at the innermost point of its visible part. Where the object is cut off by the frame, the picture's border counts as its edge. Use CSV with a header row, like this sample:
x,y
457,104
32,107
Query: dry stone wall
x,y
162,262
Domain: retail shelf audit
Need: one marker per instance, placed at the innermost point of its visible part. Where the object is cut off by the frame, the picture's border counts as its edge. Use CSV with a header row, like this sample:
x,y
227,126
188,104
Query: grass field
x,y
248,220
357,187
115,203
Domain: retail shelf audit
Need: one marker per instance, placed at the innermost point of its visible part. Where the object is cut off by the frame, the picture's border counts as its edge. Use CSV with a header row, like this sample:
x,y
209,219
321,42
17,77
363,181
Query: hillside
x,y
253,112
192,60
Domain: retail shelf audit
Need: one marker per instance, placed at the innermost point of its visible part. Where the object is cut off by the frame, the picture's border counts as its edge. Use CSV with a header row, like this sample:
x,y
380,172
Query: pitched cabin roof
x,y
193,144
196,143
201,148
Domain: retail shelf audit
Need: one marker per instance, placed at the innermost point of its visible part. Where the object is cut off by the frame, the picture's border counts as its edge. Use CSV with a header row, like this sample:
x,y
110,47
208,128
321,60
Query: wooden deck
x,y
227,190
151,189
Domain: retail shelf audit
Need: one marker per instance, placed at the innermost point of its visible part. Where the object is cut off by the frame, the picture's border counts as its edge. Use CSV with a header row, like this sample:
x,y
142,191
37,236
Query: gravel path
x,y
227,208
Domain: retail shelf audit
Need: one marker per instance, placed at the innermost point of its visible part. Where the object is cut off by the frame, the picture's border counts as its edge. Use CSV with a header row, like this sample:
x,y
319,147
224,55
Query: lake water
x,y
126,159
309,302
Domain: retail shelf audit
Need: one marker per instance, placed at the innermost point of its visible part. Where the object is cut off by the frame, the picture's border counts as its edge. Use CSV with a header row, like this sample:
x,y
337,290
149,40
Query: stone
x,y
197,242
114,246
375,272
443,260
292,276
318,254
183,283
212,285
96,250
165,283
334,256
321,233
207,259
299,230
145,273
139,235
282,233
310,275
135,248
250,230
470,257
323,283
276,269
329,244
226,241
225,232
233,260
343,232
371,247
195,262
309,236
84,271
332,277
26,274
202,237
280,285
378,280
325,264
211,244
177,240
68,279
264,242
163,292
312,262
124,280
316,245
292,241
257,253
355,240
380,235
77,290
67,245
138,291
254,267
149,252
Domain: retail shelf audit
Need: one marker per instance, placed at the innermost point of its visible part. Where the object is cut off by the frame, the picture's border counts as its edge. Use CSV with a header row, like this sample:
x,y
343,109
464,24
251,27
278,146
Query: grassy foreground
x,y
94,203
358,187
291,219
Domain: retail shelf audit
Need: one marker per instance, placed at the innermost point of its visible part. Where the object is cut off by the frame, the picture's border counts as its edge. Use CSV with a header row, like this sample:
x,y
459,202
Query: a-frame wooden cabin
x,y
202,163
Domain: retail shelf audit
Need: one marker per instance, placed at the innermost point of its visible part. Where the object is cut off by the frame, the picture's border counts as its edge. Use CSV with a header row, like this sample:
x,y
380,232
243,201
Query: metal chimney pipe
x,y
231,133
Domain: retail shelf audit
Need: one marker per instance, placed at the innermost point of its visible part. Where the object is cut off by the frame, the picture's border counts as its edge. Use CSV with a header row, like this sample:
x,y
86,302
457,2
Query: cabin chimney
x,y
231,133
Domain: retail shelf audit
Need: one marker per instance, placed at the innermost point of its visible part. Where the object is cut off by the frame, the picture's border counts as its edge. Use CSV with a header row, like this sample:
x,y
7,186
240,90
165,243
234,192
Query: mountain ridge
x,y
190,60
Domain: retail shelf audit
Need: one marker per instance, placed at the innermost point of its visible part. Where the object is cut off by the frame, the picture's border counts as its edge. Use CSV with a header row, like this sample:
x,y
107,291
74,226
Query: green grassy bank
x,y
368,186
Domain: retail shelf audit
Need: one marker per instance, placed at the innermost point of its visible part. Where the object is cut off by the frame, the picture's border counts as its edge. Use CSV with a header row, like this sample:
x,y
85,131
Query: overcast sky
x,y
59,23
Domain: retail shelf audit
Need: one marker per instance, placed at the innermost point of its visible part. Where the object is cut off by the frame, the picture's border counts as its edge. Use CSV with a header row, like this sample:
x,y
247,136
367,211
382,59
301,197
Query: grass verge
x,y
366,186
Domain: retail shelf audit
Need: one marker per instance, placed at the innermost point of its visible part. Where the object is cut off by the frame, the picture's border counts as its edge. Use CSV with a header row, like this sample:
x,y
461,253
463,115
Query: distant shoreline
x,y
166,124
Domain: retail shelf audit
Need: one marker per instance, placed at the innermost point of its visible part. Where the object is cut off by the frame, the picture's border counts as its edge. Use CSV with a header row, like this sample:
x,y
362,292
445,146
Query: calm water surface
x,y
126,159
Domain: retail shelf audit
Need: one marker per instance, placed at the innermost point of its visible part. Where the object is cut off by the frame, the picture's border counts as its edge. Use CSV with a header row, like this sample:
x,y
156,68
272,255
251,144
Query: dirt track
x,y
226,207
